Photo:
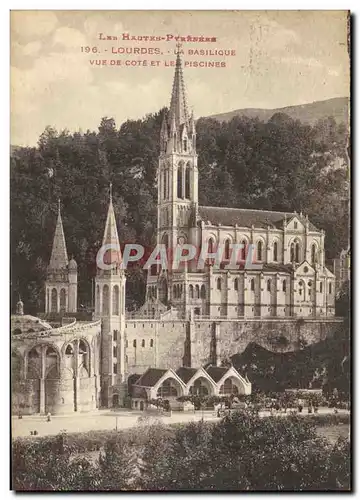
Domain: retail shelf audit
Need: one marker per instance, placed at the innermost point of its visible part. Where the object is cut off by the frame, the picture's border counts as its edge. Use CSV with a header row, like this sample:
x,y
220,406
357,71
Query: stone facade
x,y
55,370
291,279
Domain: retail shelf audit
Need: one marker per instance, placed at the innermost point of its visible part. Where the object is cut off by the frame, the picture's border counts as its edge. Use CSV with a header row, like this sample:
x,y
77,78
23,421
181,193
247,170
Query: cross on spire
x,y
178,47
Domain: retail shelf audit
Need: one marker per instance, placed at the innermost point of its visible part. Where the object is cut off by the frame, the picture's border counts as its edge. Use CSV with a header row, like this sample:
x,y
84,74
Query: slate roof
x,y
283,268
150,377
216,372
245,217
185,373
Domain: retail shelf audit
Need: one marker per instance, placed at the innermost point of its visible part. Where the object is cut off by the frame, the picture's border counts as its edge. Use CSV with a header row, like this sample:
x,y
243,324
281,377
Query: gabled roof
x,y
245,217
150,377
216,372
185,373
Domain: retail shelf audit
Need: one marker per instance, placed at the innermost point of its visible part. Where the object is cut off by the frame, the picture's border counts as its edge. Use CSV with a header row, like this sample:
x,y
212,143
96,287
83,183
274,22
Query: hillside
x,y
307,113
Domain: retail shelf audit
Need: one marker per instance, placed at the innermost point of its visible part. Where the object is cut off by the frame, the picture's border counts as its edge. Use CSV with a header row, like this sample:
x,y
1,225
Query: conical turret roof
x,y
111,244
59,258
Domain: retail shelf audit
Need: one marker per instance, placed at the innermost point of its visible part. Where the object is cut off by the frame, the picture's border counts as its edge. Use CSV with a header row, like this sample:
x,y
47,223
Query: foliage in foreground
x,y
242,452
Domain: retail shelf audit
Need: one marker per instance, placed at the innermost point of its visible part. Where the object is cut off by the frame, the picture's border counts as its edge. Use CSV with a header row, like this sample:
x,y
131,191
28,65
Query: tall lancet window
x,y
105,306
115,305
174,141
275,254
164,184
54,300
313,254
187,181
292,252
185,144
180,180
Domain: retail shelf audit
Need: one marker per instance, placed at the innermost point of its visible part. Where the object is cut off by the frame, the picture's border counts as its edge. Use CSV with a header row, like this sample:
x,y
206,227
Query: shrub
x,y
242,452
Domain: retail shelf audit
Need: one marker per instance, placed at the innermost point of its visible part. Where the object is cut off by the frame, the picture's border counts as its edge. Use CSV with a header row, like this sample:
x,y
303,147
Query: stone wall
x,y
177,343
276,335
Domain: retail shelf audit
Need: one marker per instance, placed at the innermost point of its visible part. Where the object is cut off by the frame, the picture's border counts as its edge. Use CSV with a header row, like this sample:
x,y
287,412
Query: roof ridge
x,y
249,209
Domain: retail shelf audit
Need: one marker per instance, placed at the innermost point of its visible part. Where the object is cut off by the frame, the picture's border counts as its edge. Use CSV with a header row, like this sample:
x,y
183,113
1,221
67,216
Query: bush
x,y
241,452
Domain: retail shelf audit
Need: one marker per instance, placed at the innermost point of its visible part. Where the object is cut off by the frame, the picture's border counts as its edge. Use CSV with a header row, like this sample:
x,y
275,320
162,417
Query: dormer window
x,y
295,225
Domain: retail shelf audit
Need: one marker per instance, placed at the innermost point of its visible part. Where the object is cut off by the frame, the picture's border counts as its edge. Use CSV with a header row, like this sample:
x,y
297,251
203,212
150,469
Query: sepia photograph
x,y
180,250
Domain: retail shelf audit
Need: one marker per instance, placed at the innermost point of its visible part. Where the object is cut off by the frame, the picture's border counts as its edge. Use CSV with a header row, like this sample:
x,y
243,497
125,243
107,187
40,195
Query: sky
x,y
281,58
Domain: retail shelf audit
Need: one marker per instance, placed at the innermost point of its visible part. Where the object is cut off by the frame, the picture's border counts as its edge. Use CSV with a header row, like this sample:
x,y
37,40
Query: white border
x,y
352,5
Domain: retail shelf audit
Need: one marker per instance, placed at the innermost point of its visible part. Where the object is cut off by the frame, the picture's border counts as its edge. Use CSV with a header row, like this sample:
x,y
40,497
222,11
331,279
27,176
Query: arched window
x,y
69,351
243,250
321,287
330,288
236,284
134,343
219,283
313,253
180,174
97,299
275,251
62,299
54,300
116,301
292,252
227,250
297,252
259,251
187,181
143,343
151,342
165,241
197,291
164,180
211,245
268,285
185,144
174,140
284,285
105,305
174,292
191,291
203,292
82,347
302,290
252,284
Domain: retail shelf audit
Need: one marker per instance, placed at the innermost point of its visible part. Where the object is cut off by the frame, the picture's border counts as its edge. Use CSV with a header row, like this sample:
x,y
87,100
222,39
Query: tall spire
x,y
178,104
59,258
113,253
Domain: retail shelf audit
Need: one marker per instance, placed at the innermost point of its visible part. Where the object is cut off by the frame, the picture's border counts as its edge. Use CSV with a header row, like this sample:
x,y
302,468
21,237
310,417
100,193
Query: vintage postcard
x,y
180,250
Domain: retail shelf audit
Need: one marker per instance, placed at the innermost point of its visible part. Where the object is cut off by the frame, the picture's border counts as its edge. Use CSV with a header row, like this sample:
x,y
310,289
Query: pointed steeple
x,y
178,104
59,258
111,236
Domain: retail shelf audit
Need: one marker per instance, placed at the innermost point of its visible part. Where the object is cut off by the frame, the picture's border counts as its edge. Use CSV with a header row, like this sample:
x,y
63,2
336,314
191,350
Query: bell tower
x,y
110,308
177,170
61,279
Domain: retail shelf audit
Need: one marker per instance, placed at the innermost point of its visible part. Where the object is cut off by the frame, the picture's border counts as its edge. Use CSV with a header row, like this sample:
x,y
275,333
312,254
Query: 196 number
x,y
89,49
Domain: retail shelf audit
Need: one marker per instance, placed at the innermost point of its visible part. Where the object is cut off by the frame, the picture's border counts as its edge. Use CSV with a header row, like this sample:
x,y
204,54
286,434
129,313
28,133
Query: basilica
x,y
193,319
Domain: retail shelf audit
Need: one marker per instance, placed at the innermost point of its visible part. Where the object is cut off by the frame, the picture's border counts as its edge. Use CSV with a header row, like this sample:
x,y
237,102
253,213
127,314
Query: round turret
x,y
20,308
72,265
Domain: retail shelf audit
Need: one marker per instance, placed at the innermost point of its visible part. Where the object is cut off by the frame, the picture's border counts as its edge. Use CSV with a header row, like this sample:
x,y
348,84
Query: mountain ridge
x,y
310,113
